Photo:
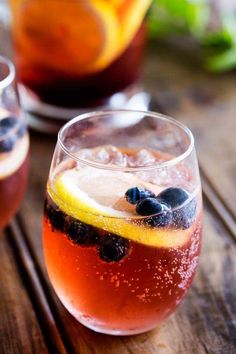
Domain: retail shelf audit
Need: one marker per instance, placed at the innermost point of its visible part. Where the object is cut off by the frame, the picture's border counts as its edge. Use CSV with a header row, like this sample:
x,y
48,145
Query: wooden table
x,y
32,320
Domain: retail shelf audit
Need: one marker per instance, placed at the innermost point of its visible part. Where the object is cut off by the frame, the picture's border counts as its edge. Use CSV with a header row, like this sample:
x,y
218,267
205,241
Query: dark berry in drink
x,y
113,248
55,216
8,123
135,194
7,143
151,206
80,233
174,196
183,217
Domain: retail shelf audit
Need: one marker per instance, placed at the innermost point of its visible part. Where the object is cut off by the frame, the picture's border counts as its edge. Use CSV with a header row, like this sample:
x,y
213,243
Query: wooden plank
x,y
205,323
206,103
34,287
19,328
218,206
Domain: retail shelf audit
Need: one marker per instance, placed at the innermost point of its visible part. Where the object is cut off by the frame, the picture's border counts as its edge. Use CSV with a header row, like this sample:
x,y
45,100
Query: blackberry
x,y
55,216
80,233
113,248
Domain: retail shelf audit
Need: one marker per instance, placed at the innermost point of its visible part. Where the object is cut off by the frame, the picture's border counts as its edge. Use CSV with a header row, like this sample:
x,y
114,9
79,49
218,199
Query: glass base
x,y
115,332
49,118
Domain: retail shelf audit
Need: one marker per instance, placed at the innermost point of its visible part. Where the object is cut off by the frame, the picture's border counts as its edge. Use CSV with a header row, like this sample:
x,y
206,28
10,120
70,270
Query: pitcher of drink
x,y
72,55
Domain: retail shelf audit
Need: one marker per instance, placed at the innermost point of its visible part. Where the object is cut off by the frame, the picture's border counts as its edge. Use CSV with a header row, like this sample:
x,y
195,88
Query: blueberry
x,y
163,219
174,196
55,216
151,206
8,123
133,195
7,144
184,216
80,233
113,248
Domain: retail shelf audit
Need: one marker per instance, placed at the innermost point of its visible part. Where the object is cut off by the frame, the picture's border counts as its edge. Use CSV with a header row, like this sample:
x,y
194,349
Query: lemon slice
x,y
70,192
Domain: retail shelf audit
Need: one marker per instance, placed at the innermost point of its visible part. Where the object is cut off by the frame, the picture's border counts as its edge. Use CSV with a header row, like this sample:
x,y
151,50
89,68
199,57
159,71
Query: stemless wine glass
x,y
122,219
14,145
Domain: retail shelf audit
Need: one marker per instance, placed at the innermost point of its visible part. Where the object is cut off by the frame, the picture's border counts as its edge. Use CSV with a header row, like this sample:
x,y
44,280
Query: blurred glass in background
x,y
75,55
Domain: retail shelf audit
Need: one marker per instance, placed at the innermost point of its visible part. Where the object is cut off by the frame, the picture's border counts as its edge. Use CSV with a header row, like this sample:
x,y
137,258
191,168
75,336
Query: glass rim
x,y
175,160
6,81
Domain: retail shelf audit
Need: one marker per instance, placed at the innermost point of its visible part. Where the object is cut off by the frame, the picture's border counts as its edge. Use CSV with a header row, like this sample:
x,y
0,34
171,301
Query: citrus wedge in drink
x,y
91,196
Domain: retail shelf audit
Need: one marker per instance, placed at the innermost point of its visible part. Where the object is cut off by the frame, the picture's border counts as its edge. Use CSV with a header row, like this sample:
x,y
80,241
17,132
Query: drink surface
x,y
121,248
14,146
94,41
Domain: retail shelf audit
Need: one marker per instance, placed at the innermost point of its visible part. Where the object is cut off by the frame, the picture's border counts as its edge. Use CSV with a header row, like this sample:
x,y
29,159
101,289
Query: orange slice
x,y
130,15
67,36
76,37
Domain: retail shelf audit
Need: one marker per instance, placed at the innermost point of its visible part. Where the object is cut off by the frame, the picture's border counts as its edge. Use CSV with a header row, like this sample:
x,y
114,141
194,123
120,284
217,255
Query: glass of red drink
x,y
14,145
72,55
122,219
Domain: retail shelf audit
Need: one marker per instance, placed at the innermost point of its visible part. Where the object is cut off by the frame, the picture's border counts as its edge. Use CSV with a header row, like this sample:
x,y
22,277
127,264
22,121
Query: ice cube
x,y
107,155
141,158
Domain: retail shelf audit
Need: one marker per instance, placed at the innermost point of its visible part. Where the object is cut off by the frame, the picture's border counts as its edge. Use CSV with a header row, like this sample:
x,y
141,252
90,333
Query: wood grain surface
x,y
19,328
32,319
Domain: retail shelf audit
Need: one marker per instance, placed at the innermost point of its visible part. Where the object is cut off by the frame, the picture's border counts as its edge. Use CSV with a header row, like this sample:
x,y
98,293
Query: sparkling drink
x,y
122,225
80,59
14,146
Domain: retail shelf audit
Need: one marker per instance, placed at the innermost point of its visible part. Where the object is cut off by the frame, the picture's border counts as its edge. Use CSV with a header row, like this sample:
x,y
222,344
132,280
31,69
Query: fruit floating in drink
x,y
14,146
122,231
76,54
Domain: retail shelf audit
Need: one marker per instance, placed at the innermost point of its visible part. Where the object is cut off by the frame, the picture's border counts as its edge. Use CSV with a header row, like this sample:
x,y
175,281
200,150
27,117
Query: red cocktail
x,y
122,225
